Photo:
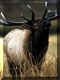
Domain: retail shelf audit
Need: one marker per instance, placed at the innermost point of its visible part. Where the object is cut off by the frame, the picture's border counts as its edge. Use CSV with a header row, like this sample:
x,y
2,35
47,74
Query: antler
x,y
44,13
12,23
33,14
4,21
53,18
45,10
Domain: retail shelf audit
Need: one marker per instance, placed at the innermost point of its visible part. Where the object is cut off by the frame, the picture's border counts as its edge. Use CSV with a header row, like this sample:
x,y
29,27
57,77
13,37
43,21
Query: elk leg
x,y
12,70
18,72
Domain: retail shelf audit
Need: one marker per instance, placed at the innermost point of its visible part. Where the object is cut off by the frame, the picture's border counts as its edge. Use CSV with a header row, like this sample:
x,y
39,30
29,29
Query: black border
x,y
58,42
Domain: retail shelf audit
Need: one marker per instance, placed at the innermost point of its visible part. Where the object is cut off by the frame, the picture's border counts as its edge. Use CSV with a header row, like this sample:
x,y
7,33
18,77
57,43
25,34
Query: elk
x,y
33,38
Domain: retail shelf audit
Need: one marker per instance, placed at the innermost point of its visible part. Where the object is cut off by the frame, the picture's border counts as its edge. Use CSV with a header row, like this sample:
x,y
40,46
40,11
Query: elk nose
x,y
35,26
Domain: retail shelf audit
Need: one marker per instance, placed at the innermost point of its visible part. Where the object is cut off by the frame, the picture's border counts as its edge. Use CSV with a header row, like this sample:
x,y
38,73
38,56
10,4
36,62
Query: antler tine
x,y
45,10
44,13
25,18
54,17
33,14
3,16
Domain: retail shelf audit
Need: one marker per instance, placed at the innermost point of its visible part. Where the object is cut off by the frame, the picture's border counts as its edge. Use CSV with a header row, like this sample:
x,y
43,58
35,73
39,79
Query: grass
x,y
1,57
48,68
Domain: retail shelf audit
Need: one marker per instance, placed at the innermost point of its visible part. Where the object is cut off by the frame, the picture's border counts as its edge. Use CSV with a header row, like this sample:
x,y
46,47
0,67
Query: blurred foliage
x,y
53,28
5,29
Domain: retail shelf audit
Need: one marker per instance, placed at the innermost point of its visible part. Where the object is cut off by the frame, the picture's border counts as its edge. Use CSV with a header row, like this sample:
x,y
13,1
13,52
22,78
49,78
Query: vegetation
x,y
47,68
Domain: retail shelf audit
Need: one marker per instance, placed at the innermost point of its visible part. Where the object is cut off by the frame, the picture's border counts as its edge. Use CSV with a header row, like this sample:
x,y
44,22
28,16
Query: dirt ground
x,y
48,68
